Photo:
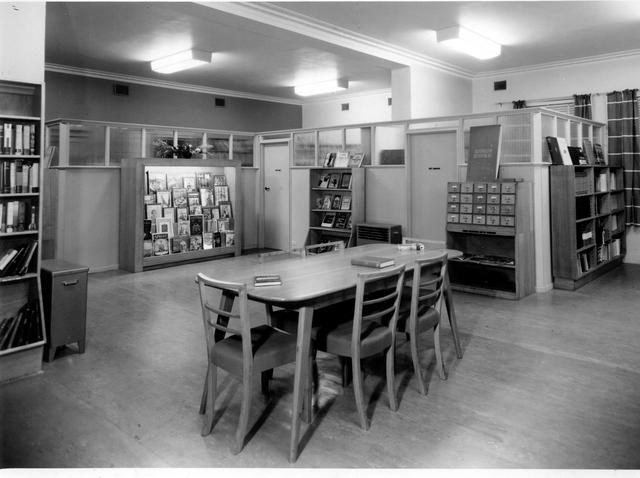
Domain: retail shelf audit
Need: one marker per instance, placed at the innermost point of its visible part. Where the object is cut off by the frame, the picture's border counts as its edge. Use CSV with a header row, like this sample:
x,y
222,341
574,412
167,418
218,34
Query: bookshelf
x,y
178,210
336,203
587,223
491,224
22,332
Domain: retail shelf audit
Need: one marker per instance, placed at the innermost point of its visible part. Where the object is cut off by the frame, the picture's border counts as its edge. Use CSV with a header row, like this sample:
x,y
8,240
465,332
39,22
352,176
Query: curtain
x,y
624,146
519,104
582,106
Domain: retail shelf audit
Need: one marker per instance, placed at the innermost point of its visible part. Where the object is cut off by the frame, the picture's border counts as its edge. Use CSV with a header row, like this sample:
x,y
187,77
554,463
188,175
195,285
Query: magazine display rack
x,y
587,223
22,331
178,210
336,204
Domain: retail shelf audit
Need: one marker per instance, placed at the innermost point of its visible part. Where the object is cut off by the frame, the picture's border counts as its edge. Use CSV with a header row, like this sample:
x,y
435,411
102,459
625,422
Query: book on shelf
x,y
206,197
193,198
184,228
345,181
601,183
154,211
484,152
163,198
195,242
372,261
221,193
324,181
156,181
355,160
174,180
219,180
165,225
329,158
327,201
559,150
337,202
267,280
346,203
577,156
149,198
195,224
229,238
7,147
342,160
169,212
160,244
180,244
587,149
189,182
217,239
207,240
179,197
599,153
204,180
334,181
196,209
207,213
18,138
182,213
319,201
615,247
225,210
215,213
225,225
210,225
342,219
328,219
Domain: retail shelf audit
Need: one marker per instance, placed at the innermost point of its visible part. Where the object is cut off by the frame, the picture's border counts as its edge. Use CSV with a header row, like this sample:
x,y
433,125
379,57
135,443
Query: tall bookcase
x,y
587,223
21,107
490,223
337,203
221,218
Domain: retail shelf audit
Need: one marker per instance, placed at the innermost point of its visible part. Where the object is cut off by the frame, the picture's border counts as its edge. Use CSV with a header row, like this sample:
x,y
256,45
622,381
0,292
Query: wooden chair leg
x,y
357,389
245,408
391,378
448,300
415,357
266,376
203,400
210,396
436,343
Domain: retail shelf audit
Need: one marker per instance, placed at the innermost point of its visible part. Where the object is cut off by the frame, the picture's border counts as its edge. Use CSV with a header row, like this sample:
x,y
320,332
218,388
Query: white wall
x,y
594,77
368,108
22,29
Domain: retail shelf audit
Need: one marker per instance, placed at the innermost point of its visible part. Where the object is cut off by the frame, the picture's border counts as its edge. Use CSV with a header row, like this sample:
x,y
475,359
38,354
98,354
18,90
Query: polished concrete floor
x,y
550,381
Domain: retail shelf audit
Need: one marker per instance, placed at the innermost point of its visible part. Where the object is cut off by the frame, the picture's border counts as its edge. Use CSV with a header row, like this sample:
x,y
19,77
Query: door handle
x,y
267,188
433,169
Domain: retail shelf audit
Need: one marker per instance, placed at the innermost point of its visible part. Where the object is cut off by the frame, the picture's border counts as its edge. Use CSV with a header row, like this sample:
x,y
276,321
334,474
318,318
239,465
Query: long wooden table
x,y
313,282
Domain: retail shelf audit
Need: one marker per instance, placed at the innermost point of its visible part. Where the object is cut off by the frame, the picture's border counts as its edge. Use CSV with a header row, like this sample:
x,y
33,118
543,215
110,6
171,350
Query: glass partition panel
x,y
304,149
191,144
358,140
516,138
548,129
467,123
390,144
586,132
53,139
86,144
124,143
434,124
562,128
243,150
574,134
159,143
217,146
329,141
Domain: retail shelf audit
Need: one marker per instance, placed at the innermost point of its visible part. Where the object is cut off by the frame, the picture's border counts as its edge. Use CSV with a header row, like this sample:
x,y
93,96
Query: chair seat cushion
x,y
271,348
335,338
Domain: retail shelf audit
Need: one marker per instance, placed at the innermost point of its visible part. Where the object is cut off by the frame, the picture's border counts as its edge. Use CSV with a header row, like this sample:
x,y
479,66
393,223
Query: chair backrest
x,y
216,300
428,281
323,247
378,296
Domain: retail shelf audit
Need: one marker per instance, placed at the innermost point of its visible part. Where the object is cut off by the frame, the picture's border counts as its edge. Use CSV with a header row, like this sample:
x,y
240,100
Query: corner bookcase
x,y
21,111
490,223
138,185
337,203
587,222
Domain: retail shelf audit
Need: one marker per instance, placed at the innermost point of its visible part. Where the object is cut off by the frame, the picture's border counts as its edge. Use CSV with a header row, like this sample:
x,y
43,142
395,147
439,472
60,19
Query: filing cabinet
x,y
64,294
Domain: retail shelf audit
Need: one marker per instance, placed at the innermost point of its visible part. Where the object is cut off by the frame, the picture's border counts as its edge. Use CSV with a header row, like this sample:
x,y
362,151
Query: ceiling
x,y
262,49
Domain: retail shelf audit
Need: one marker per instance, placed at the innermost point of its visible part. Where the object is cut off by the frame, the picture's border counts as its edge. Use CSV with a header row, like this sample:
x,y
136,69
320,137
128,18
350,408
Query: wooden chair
x,y
451,313
323,247
371,330
241,352
420,310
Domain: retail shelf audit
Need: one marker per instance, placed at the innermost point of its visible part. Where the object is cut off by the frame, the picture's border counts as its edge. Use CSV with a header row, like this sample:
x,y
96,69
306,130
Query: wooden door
x,y
432,163
276,195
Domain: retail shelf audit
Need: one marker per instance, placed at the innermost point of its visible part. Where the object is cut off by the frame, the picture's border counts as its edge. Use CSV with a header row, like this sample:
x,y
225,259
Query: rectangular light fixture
x,y
466,41
330,86
181,61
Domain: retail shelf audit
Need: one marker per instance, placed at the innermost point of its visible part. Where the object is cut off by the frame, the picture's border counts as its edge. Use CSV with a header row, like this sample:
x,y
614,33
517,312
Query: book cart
x,y
193,215
336,204
491,224
22,331
587,222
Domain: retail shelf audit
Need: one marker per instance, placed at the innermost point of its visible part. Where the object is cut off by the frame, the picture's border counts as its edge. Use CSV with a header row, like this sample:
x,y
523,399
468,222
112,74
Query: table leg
x,y
305,316
452,315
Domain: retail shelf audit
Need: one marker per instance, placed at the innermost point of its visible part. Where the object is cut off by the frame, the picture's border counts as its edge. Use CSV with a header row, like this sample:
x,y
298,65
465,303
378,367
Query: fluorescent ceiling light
x,y
181,61
322,87
466,41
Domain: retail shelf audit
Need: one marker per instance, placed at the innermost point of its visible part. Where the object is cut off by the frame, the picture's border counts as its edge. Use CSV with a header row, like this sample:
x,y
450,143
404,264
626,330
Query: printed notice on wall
x,y
484,153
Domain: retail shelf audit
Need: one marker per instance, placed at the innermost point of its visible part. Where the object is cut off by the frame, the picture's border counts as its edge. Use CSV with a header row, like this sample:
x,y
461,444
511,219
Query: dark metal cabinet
x,y
64,291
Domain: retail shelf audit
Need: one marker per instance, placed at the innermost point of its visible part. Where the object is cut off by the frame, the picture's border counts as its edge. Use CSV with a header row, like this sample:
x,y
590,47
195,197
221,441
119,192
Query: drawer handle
x,y
67,283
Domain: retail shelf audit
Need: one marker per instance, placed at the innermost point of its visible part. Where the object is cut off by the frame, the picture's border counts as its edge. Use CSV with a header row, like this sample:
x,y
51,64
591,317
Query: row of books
x,y
195,224
161,244
16,260
335,181
162,181
18,138
604,252
16,216
339,220
157,211
343,159
18,176
22,329
337,201
181,197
